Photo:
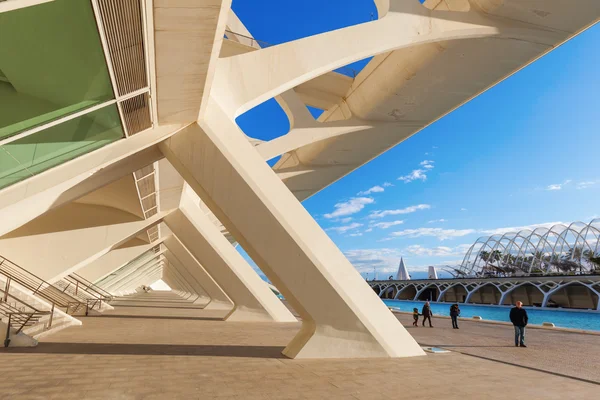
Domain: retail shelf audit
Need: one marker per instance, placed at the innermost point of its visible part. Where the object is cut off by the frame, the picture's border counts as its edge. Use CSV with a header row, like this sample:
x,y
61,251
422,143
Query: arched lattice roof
x,y
559,249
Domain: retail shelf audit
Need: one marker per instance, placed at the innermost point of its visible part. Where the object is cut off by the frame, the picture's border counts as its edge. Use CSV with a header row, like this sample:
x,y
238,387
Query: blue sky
x,y
520,154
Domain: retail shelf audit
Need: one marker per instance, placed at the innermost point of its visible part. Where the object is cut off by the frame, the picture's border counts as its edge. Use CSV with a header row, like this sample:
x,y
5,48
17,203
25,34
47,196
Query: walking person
x,y
518,317
415,317
454,313
426,311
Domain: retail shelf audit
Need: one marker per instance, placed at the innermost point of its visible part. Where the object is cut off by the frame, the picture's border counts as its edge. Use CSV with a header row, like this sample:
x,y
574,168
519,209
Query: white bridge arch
x,y
577,292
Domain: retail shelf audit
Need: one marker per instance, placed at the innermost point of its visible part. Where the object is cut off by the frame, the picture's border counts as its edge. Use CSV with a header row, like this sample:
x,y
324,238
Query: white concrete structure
x,y
432,272
164,165
574,292
402,274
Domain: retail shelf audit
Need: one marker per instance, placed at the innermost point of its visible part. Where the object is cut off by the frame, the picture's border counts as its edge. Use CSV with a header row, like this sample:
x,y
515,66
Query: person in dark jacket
x,y
454,313
427,314
518,317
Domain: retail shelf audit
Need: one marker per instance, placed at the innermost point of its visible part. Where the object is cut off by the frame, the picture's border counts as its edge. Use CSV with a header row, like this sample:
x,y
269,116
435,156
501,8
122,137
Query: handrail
x,y
38,286
21,320
261,44
91,285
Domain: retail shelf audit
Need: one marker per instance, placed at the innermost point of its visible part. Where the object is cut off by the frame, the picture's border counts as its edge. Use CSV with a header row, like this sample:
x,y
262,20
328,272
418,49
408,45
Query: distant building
x,y
432,273
402,274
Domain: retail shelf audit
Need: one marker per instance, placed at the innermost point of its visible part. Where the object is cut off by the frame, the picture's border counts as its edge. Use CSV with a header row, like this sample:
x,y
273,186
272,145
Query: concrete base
x,y
16,339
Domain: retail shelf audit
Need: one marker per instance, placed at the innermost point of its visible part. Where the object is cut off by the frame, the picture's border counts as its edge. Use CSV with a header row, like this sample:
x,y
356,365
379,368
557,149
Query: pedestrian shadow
x,y
150,350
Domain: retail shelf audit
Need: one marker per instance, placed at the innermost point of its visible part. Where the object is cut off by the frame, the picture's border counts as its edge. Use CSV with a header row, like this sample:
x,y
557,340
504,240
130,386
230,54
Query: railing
x,y
91,287
83,290
20,315
37,286
247,40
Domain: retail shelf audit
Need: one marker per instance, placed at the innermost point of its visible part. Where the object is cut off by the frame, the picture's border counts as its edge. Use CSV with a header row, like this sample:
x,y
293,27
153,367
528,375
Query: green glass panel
x,y
51,62
53,146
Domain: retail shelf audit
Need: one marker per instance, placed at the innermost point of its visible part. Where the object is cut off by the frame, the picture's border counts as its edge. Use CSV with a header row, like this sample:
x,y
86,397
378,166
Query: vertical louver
x,y
122,21
136,114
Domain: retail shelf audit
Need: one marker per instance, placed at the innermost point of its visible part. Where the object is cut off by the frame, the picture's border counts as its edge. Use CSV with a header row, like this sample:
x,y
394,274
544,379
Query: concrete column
x,y
253,300
187,291
203,297
180,258
196,294
342,316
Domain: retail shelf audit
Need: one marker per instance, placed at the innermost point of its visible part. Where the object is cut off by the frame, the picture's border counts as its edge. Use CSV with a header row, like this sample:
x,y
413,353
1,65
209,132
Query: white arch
x,y
506,293
494,284
551,292
441,295
404,288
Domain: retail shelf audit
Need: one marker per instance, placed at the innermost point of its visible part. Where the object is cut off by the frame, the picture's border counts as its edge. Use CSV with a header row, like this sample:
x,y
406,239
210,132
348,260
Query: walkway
x,y
124,356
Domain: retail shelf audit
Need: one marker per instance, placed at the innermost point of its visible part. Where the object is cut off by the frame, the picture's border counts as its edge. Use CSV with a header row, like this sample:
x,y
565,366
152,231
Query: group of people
x,y
518,317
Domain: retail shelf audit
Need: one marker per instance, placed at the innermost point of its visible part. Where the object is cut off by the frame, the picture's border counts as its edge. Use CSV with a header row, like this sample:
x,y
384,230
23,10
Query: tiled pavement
x,y
123,356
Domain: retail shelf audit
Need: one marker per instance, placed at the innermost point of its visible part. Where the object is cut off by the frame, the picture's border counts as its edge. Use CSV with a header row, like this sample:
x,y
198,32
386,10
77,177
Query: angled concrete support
x,y
179,257
287,244
28,199
112,261
124,273
129,284
253,300
71,238
196,293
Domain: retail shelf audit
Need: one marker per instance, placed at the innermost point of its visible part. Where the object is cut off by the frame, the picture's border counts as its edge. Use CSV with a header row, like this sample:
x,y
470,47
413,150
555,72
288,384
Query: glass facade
x,y
51,64
48,148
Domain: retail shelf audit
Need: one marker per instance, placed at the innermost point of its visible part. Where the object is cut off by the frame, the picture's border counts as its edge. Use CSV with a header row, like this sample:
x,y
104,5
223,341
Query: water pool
x,y
588,320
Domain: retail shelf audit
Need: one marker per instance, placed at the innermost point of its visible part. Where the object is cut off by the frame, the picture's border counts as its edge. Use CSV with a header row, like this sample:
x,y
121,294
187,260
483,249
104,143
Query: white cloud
x,y
413,176
421,173
463,209
558,186
344,228
374,189
349,207
427,164
345,220
387,184
356,234
501,231
407,210
369,230
441,234
384,261
433,221
586,184
386,225
438,251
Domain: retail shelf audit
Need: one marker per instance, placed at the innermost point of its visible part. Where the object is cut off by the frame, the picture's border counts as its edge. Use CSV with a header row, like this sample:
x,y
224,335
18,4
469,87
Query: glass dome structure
x,y
560,249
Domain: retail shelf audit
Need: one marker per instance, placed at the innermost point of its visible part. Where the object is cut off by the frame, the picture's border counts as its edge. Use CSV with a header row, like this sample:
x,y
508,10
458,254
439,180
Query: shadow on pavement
x,y
151,349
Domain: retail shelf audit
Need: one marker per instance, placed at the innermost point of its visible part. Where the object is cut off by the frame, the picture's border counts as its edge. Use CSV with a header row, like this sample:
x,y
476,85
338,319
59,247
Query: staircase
x,y
31,306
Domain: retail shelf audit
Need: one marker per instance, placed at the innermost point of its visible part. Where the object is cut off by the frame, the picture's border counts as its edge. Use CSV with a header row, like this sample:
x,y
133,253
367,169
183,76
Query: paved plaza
x,y
141,351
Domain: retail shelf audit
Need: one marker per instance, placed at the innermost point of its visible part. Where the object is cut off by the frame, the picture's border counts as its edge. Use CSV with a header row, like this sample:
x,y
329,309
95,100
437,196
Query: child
x,y
416,317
